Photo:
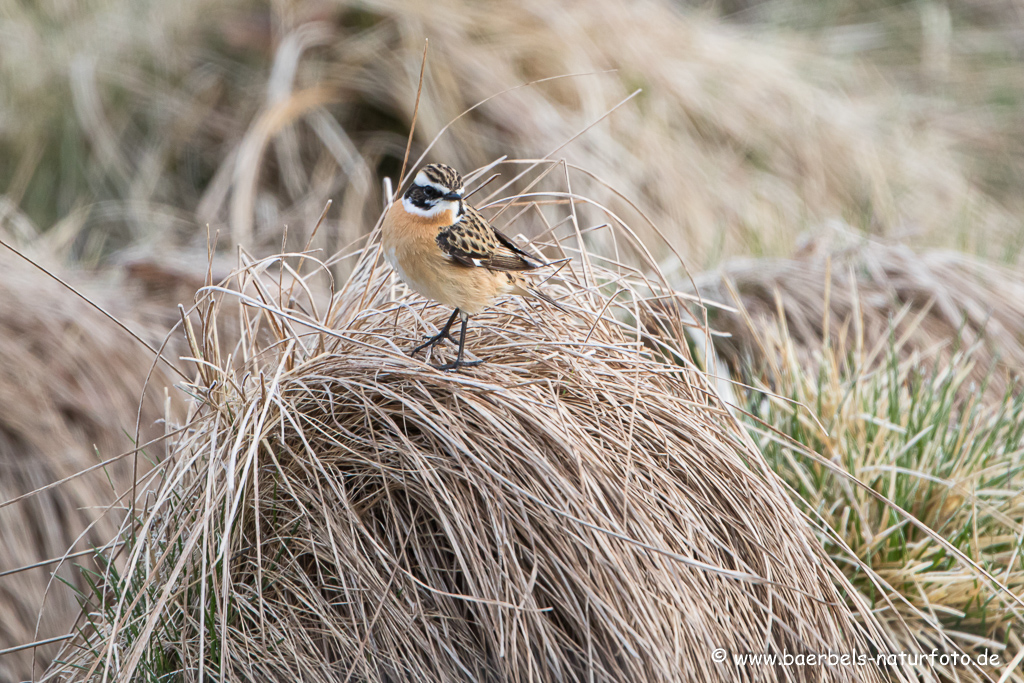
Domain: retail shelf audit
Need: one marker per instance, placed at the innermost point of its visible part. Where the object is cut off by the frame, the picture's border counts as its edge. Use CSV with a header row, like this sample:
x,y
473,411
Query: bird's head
x,y
437,188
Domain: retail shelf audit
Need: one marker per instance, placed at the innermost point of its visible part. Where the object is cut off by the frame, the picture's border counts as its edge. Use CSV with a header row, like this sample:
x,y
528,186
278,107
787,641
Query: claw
x,y
458,363
445,333
432,341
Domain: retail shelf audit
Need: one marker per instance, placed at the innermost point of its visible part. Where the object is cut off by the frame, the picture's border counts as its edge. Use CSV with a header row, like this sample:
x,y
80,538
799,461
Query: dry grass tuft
x,y
580,507
69,394
870,295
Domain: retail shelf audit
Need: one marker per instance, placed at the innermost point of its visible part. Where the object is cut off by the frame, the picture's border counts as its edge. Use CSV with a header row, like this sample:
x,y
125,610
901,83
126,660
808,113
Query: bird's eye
x,y
431,192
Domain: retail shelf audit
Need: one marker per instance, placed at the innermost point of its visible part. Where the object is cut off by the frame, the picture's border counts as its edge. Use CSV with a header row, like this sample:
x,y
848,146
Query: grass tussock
x,y
875,377
580,507
923,433
70,389
869,297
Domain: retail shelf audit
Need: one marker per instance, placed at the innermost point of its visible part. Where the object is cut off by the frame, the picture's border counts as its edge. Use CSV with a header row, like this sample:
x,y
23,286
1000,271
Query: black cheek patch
x,y
418,198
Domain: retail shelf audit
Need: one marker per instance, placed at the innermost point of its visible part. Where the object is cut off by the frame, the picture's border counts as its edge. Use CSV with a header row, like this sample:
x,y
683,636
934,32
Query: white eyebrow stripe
x,y
423,181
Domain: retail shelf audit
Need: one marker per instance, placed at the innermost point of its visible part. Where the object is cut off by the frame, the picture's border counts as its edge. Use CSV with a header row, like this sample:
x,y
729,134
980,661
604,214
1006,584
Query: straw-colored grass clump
x,y
867,296
580,507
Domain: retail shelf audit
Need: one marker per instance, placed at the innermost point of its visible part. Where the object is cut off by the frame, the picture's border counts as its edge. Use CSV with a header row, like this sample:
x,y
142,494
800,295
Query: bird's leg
x,y
446,333
459,363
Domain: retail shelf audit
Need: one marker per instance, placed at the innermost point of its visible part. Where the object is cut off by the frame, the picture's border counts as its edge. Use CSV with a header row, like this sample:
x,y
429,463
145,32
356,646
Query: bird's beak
x,y
453,196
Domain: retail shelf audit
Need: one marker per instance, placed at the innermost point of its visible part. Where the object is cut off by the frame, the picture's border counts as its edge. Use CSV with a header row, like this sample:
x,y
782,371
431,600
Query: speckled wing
x,y
473,242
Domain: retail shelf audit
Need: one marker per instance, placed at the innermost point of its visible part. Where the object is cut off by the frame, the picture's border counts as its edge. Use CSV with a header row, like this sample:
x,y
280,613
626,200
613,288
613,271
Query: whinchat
x,y
446,250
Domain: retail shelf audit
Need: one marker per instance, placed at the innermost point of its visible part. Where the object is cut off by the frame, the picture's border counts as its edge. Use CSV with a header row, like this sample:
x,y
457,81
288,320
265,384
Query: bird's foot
x,y
459,363
433,341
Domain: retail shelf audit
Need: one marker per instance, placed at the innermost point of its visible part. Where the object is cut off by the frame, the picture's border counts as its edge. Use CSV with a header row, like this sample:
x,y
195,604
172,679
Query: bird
x,y
445,249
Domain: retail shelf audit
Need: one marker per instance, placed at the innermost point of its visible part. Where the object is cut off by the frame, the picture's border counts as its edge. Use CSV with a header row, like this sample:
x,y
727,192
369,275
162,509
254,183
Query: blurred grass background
x,y
856,143
128,123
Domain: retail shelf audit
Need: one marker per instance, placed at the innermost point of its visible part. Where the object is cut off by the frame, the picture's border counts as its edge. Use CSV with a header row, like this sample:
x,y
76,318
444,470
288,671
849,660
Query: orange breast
x,y
410,246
